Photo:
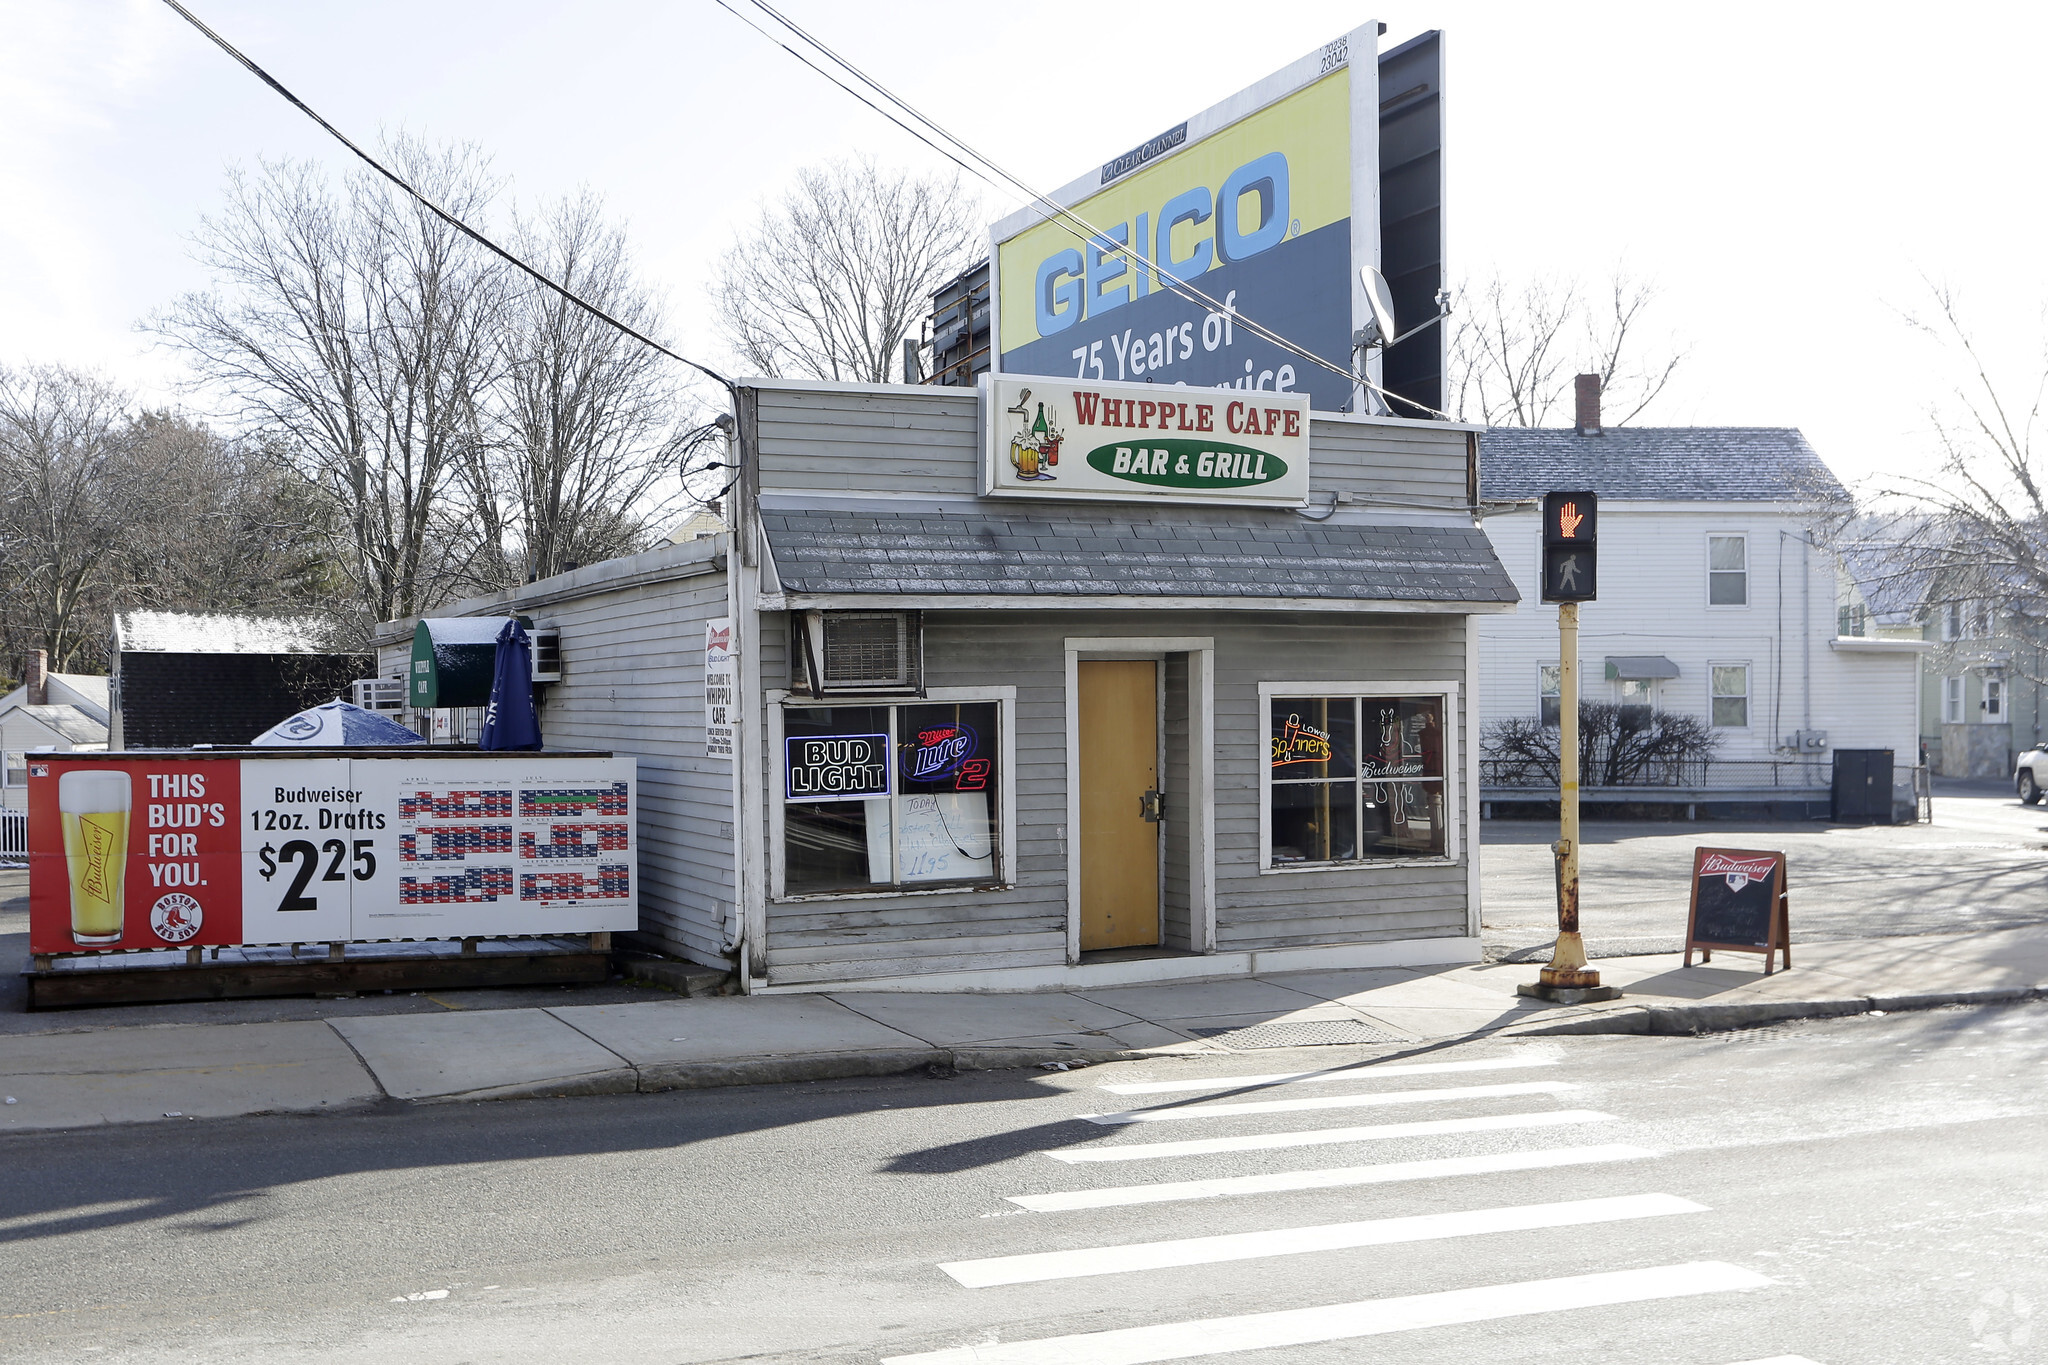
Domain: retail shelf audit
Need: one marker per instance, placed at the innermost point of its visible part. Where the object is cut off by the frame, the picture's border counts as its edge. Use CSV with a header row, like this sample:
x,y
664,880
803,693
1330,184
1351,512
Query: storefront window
x,y
1356,778
877,797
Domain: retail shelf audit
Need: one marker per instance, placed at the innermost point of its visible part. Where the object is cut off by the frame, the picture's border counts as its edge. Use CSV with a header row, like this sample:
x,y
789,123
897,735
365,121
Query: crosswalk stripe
x,y
1168,1113
1782,1360
1344,1321
1246,1246
1326,1178
1317,1137
1348,1073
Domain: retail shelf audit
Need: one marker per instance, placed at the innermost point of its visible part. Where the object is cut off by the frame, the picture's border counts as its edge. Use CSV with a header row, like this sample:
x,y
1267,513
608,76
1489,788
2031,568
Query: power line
x,y
1001,178
225,46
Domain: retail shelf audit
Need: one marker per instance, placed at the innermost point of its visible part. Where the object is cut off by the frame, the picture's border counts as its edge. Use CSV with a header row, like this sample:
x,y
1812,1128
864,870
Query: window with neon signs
x,y
878,797
1355,778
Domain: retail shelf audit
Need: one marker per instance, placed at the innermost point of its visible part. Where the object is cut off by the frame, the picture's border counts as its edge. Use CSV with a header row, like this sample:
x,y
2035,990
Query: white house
x,y
51,712
1714,599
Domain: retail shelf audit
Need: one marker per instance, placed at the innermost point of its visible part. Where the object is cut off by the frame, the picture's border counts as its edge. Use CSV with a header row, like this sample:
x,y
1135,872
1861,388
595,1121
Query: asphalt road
x,y
1862,1190
1982,864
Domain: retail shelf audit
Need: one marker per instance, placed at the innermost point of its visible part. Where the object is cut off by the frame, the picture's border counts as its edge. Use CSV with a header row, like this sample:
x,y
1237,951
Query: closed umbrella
x,y
509,721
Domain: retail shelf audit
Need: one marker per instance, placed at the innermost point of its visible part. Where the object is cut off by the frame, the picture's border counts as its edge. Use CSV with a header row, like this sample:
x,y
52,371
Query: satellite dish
x,y
1381,300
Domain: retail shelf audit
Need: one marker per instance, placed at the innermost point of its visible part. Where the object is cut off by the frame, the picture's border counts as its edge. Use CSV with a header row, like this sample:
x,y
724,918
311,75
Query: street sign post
x,y
1570,525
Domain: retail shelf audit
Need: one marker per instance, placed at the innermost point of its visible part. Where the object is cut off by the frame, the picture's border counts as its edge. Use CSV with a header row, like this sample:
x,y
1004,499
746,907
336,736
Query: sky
x,y
1791,176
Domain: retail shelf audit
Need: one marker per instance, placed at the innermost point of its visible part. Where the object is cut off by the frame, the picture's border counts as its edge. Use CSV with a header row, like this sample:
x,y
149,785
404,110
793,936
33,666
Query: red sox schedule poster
x,y
184,851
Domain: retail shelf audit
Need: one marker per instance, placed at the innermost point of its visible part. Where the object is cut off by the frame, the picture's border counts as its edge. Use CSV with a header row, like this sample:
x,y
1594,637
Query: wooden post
x,y
336,952
601,941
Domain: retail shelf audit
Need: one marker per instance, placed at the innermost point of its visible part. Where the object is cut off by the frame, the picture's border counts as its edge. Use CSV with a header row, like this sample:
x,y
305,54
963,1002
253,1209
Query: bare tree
x,y
1618,746
832,277
100,507
1516,348
584,420
69,493
357,329
1968,537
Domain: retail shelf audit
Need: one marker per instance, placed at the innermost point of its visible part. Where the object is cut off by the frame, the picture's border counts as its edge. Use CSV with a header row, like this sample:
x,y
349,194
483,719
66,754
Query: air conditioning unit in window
x,y
841,652
378,694
547,654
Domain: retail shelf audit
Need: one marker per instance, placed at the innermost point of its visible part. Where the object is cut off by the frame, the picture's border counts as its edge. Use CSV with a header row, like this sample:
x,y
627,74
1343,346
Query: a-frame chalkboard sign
x,y
1739,905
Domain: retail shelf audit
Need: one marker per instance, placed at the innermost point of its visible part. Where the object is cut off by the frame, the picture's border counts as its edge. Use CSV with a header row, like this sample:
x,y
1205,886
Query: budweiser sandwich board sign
x,y
1739,904
1068,438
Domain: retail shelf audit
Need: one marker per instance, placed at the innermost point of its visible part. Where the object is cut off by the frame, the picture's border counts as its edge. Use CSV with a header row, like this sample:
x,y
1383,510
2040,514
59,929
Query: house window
x,y
1728,571
14,768
1731,695
1355,778
1549,688
1852,620
889,797
1994,700
1638,700
1952,700
1952,621
1980,620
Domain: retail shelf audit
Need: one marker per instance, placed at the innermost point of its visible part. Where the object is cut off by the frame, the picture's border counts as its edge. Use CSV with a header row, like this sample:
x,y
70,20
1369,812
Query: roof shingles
x,y
1134,554
1656,464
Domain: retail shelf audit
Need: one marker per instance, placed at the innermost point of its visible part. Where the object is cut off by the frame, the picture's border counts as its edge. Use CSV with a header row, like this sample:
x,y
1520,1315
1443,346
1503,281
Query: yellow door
x,y
1119,707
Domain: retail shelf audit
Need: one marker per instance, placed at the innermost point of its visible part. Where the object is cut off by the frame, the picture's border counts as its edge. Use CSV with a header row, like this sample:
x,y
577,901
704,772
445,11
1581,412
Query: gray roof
x,y
69,721
1656,464
1050,553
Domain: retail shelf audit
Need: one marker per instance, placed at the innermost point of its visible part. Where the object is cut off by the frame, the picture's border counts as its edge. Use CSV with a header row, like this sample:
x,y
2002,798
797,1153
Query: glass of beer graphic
x,y
94,806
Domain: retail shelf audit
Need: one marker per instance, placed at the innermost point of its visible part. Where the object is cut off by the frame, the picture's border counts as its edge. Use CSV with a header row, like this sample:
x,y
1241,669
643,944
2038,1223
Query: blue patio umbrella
x,y
337,724
509,721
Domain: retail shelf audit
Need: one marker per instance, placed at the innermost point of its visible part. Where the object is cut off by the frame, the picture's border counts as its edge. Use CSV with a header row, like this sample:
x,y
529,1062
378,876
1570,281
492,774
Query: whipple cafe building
x,y
1051,684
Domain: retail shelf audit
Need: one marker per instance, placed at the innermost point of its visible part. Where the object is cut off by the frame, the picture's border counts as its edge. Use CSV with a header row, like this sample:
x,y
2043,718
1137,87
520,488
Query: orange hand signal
x,y
1568,520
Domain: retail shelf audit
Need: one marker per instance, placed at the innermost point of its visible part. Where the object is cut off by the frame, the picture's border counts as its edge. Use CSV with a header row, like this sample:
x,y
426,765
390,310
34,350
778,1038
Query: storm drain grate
x,y
1755,1033
1309,1033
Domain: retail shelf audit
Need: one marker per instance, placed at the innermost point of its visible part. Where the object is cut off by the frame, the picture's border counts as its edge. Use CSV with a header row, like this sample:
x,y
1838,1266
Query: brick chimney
x,y
36,677
1586,388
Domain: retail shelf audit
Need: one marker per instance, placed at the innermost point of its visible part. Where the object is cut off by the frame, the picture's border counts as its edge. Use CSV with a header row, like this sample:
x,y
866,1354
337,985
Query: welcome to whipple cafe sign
x,y
1062,438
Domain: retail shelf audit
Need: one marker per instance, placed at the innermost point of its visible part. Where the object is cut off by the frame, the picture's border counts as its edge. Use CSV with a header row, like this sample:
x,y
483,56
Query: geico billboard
x,y
1262,203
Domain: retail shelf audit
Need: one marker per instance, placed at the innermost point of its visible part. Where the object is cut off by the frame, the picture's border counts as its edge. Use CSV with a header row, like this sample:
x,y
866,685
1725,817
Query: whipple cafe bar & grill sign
x,y
1056,438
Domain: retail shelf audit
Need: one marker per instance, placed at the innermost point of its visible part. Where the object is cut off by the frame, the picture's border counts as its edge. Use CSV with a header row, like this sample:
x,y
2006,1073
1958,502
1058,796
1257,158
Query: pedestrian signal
x,y
1569,547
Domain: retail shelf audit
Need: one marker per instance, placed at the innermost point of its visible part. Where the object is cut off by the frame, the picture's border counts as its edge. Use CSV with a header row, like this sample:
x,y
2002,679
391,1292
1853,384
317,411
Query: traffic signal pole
x,y
1569,578
1568,969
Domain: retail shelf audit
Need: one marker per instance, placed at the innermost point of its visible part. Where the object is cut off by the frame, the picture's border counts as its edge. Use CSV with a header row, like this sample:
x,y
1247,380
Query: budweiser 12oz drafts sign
x,y
182,852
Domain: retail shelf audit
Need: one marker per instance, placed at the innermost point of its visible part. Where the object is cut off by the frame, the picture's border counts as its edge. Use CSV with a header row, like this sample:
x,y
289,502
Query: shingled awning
x,y
832,553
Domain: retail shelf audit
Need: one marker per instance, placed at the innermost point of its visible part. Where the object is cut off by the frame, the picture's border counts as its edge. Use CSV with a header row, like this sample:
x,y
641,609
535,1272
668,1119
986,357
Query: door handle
x,y
1152,807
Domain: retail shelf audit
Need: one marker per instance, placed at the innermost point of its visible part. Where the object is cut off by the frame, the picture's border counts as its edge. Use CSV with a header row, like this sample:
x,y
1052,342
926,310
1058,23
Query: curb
x,y
1685,1020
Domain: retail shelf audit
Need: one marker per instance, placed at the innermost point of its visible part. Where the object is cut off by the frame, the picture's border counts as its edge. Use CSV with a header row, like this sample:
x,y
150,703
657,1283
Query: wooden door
x,y
1119,734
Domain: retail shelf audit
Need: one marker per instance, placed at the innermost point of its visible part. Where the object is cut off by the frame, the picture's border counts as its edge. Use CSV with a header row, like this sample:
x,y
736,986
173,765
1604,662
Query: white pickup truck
x,y
2030,775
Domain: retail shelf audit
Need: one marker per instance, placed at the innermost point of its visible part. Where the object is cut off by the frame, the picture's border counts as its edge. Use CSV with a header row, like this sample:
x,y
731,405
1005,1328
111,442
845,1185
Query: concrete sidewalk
x,y
74,1077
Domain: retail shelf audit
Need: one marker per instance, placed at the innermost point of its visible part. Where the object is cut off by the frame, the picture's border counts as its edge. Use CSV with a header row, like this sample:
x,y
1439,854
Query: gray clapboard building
x,y
985,740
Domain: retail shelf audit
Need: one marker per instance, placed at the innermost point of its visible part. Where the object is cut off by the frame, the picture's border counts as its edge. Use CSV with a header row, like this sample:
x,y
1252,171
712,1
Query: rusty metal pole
x,y
1568,980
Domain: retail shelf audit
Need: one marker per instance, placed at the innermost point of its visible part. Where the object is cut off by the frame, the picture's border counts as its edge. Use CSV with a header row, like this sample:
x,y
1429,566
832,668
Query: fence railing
x,y
1697,774
13,836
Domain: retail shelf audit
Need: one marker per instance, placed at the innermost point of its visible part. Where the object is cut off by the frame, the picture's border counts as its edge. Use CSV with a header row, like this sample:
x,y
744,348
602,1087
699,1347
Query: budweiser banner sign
x,y
181,851
1067,438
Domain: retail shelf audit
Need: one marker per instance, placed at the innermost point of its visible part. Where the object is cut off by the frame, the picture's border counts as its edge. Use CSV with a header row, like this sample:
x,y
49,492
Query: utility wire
x,y
225,46
993,174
